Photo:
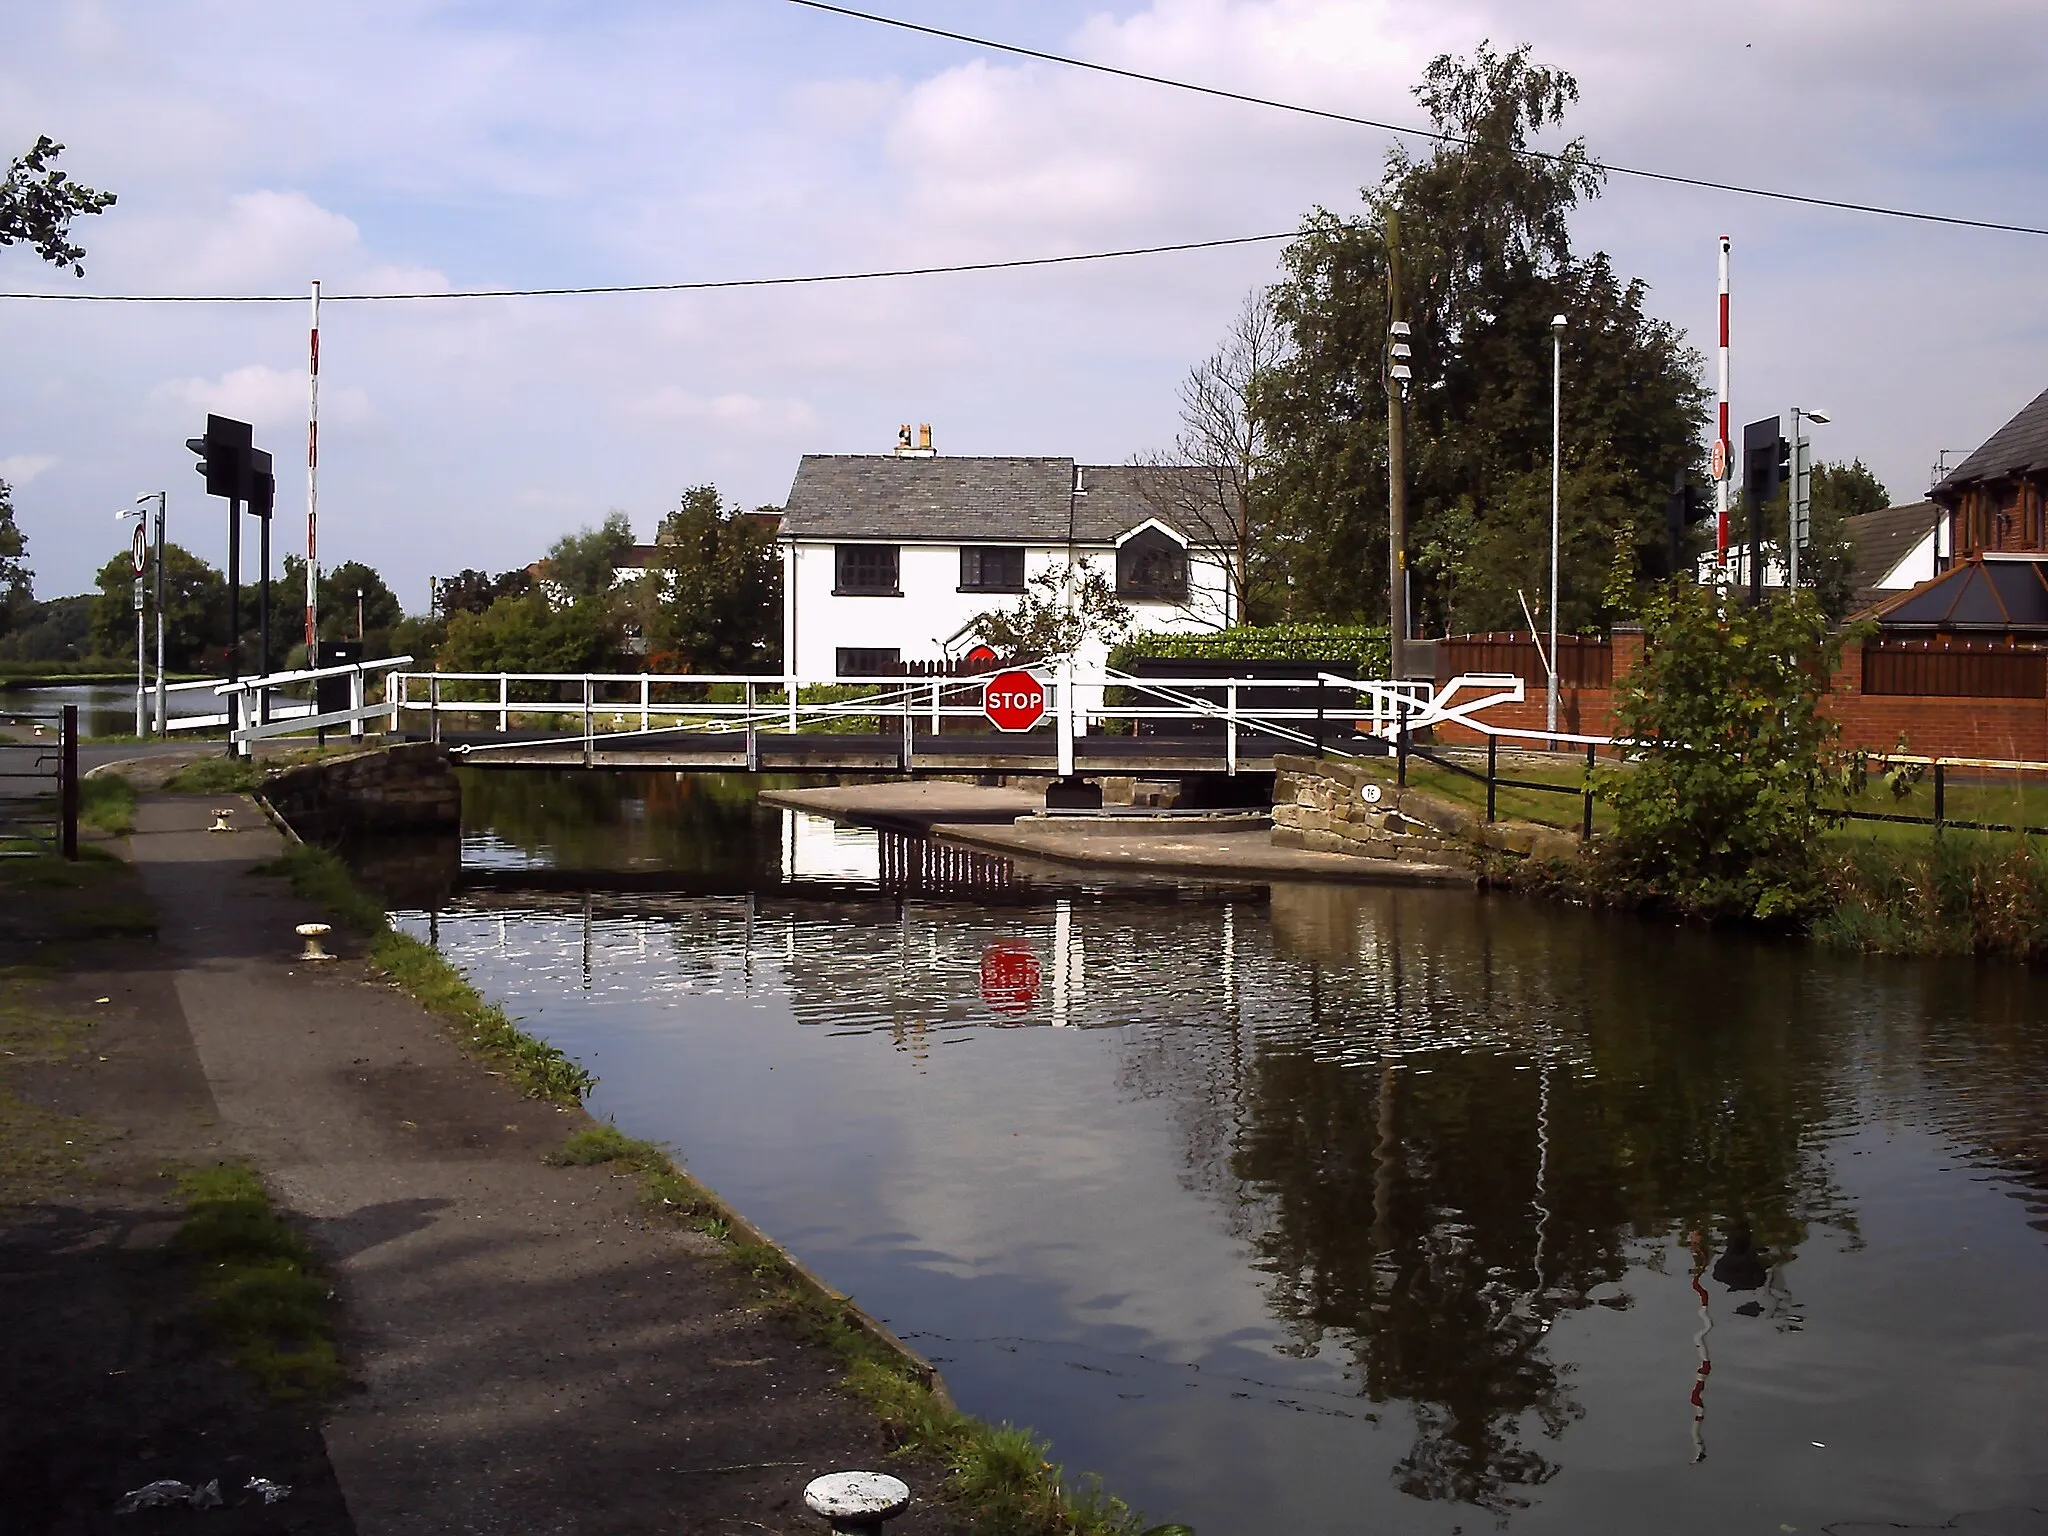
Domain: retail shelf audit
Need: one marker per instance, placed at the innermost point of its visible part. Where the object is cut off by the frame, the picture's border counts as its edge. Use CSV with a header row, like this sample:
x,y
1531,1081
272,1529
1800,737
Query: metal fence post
x,y
67,782
753,739
1492,772
1586,815
1230,725
589,717
645,685
358,692
1319,717
909,724
504,703
394,695
434,708
1401,741
1940,797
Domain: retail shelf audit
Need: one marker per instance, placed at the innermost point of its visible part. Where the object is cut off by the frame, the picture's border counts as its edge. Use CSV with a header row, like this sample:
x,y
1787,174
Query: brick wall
x,y
1931,726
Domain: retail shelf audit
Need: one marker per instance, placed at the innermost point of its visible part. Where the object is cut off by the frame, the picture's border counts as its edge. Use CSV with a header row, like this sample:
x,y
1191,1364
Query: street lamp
x,y
1799,500
1557,325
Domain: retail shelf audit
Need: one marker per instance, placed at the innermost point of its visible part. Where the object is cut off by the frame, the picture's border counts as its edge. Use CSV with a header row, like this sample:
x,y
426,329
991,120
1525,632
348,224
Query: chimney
x,y
924,448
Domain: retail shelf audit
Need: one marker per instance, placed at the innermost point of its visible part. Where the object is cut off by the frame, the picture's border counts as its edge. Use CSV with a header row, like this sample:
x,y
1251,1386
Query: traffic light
x,y
1688,503
1766,463
262,491
224,456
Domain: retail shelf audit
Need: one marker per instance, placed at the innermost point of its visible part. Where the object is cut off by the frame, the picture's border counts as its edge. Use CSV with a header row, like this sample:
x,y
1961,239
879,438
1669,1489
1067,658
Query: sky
x,y
413,146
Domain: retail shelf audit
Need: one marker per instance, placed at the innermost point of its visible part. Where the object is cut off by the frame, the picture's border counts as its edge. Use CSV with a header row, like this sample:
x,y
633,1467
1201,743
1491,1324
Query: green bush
x,y
1362,647
1737,771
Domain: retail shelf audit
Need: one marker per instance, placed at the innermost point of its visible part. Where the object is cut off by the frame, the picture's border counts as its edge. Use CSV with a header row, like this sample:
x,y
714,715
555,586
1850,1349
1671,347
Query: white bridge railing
x,y
266,705
581,715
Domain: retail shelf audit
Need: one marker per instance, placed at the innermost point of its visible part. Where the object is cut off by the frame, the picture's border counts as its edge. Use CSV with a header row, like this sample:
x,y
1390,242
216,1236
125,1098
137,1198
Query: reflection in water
x,y
1338,1208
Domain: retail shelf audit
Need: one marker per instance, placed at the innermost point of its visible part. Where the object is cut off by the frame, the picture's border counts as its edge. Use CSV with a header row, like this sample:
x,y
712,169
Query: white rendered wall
x,y
932,608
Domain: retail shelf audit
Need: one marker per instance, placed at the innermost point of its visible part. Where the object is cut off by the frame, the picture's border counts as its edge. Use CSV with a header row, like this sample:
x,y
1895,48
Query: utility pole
x,y
1398,374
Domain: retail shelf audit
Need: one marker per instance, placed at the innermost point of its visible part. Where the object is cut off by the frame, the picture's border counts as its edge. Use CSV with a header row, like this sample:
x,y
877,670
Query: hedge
x,y
1361,646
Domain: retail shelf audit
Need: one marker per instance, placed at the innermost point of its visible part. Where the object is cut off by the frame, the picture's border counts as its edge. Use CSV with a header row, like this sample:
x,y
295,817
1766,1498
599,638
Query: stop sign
x,y
1013,700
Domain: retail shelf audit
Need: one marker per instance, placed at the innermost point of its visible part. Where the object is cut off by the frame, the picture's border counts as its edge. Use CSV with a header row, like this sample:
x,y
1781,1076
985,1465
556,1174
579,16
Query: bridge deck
x,y
780,752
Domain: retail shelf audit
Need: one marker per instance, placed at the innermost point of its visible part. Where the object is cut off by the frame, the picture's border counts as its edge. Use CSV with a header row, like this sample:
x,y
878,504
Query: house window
x,y
1152,565
868,660
992,568
866,570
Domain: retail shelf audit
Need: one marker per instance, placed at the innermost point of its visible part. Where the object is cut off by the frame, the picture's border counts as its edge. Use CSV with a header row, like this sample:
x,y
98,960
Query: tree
x,y
38,203
57,630
472,591
340,616
195,611
530,634
1223,435
17,582
1840,492
713,597
584,563
1062,610
1487,260
1737,765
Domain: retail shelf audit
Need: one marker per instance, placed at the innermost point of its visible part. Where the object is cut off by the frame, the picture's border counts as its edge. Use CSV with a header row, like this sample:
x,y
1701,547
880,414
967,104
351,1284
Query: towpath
x,y
532,1356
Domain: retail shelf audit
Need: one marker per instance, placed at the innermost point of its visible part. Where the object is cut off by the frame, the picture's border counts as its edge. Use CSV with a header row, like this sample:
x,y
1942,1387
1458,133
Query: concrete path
x,y
1000,821
534,1358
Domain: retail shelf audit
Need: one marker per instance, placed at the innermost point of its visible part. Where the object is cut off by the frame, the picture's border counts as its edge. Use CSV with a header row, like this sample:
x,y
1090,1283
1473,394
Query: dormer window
x,y
1152,565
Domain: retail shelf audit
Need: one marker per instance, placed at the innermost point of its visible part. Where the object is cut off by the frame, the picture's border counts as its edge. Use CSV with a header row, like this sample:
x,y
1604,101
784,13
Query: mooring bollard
x,y
857,1503
221,813
313,933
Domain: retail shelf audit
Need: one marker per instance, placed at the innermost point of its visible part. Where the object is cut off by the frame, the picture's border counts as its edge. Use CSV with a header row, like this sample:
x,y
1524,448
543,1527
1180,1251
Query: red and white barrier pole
x,y
1724,466
313,483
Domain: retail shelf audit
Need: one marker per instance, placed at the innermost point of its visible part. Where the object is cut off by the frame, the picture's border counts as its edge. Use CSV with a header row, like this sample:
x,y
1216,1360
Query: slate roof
x,y
1880,541
985,500
2015,448
2001,593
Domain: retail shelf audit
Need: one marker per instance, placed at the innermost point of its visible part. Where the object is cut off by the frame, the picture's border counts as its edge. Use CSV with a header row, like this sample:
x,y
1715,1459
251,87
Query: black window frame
x,y
847,561
1136,560
874,664
974,566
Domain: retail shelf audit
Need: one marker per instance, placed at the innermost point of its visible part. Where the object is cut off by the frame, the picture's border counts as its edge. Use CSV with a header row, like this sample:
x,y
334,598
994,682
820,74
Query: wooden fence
x,y
1957,669
1581,663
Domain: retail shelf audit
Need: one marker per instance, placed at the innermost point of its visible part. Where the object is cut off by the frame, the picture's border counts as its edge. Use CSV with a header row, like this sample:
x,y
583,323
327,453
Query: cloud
x,y
256,393
733,413
406,146
22,468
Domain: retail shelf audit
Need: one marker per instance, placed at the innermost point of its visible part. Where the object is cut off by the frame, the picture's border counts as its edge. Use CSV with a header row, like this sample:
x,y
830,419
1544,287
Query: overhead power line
x,y
696,287
1436,135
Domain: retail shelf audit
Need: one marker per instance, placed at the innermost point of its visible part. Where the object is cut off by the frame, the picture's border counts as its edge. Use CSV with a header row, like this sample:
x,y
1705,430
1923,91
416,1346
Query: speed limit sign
x,y
140,549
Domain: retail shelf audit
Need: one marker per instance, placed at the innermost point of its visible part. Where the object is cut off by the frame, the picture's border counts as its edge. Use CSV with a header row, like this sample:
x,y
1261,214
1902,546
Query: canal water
x,y
1321,1209
103,709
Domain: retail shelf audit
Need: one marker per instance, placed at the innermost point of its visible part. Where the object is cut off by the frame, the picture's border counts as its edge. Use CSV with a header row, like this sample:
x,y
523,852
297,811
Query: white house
x,y
888,558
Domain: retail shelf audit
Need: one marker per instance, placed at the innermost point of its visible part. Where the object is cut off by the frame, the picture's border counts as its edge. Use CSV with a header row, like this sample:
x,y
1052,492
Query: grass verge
x,y
262,1289
1000,1473
485,1029
106,801
215,775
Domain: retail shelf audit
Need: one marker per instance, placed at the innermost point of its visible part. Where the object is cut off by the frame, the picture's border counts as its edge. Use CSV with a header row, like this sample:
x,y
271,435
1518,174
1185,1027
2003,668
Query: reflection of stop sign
x,y
1013,700
1009,977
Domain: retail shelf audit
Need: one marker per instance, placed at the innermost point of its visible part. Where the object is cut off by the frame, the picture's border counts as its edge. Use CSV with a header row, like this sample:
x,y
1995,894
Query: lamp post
x,y
1799,495
1557,324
